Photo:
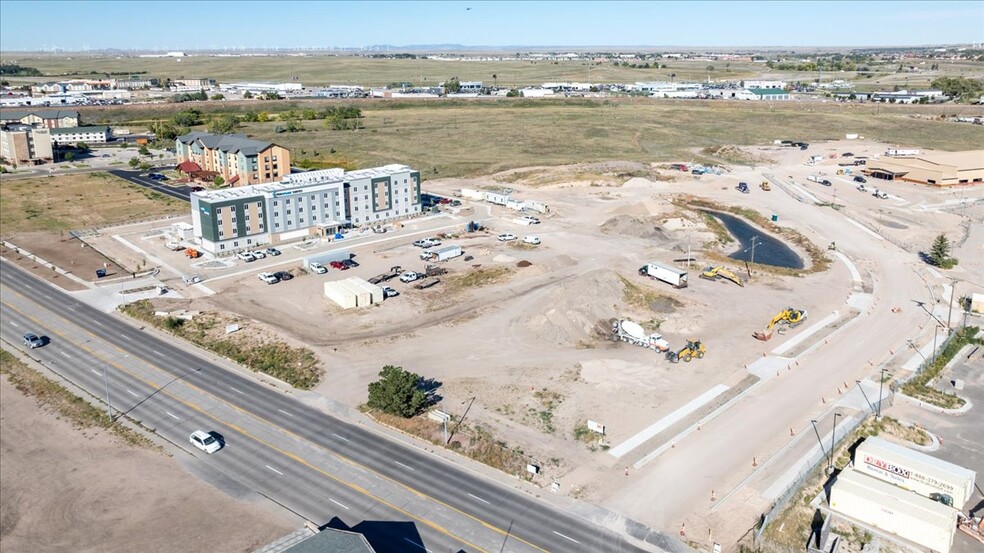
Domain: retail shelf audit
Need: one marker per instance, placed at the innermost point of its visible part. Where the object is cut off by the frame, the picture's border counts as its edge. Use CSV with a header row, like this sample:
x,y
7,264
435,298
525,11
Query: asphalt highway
x,y
179,192
311,463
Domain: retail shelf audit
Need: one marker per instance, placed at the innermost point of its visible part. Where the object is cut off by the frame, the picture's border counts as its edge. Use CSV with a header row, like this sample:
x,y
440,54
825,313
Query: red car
x,y
338,265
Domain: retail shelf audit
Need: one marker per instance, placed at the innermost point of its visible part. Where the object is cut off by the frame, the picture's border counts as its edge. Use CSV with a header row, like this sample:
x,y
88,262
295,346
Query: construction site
x,y
647,306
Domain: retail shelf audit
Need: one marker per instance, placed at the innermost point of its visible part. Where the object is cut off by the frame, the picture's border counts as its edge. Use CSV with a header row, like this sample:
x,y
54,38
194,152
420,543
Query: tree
x,y
271,96
958,87
247,95
452,86
223,124
263,117
82,146
939,253
218,181
218,97
145,166
397,392
513,92
69,156
134,162
163,130
144,151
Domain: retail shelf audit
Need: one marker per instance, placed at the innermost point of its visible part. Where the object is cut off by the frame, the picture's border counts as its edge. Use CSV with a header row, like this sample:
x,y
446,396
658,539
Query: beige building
x,y
240,161
25,145
51,118
936,169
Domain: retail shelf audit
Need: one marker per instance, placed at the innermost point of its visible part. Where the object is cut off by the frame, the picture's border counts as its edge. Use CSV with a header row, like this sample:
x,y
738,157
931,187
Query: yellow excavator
x,y
714,273
788,316
694,348
765,186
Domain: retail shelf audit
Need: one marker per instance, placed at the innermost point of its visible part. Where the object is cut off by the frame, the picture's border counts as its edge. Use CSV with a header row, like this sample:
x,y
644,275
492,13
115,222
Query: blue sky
x,y
187,25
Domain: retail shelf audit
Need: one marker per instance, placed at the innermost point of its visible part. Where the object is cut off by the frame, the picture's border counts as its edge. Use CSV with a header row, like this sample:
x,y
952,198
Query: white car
x,y
506,237
389,292
268,278
531,220
205,441
535,240
259,254
246,256
318,268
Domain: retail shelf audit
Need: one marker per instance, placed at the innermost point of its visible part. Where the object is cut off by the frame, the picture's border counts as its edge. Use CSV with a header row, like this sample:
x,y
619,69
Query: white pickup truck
x,y
410,276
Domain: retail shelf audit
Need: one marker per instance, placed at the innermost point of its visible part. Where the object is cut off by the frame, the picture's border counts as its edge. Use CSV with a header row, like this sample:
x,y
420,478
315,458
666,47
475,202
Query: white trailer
x,y
912,517
472,194
496,198
632,333
665,273
446,253
924,474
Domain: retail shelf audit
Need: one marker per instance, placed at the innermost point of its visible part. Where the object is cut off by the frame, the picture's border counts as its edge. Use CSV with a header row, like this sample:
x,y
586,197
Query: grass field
x,y
63,203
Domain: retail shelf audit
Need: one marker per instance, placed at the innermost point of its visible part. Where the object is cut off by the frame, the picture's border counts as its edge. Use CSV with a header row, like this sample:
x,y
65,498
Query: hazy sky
x,y
189,25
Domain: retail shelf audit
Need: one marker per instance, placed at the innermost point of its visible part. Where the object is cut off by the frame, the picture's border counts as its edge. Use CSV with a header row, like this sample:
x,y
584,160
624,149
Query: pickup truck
x,y
410,276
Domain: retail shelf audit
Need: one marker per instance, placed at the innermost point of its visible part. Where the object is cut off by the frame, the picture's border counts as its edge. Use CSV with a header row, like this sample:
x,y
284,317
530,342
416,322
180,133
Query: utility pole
x,y
833,434
820,441
953,292
754,238
109,404
881,384
461,420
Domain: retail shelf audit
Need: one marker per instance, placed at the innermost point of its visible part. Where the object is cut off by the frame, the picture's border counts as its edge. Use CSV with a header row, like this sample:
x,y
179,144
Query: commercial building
x,y
769,93
50,118
316,203
74,135
914,471
334,541
238,160
22,144
896,511
938,169
765,84
260,88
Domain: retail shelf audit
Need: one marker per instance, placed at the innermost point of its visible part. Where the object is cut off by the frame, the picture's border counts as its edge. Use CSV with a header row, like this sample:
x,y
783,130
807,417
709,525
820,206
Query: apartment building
x,y
22,144
240,161
316,203
50,118
74,135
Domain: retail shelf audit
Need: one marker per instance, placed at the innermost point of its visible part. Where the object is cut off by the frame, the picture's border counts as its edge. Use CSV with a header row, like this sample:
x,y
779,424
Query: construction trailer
x,y
496,198
863,499
472,194
665,273
446,253
915,471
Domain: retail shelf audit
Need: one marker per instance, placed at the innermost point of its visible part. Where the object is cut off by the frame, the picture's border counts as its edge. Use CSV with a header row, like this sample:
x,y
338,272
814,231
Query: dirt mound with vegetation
x,y
628,225
735,155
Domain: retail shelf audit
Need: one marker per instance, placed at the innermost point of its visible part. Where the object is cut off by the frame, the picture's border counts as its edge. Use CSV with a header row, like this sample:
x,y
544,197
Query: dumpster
x,y
775,218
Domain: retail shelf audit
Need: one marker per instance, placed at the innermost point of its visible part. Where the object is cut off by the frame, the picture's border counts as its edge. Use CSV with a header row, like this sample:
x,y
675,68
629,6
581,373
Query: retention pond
x,y
768,249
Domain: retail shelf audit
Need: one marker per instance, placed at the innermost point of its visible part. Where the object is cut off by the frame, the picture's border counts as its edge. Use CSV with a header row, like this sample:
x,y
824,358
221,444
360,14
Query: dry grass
x,y
63,203
642,297
51,396
482,276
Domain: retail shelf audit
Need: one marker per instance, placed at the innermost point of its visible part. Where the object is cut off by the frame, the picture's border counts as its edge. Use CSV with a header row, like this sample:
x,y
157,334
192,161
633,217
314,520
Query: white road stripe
x,y
28,287
97,322
402,465
65,354
131,392
337,503
159,354
125,336
480,499
94,371
15,324
285,412
70,308
237,390
47,296
408,540
566,537
343,438
171,415
274,470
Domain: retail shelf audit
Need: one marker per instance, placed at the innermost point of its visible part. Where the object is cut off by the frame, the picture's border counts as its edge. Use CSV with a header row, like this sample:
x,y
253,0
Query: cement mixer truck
x,y
633,333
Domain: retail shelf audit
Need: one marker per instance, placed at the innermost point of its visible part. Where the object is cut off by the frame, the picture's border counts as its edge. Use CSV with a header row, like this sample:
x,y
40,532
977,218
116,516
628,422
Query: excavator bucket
x,y
764,335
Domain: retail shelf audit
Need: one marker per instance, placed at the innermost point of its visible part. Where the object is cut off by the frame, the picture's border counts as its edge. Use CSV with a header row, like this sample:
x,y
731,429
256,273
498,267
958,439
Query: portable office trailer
x,y
496,198
894,510
924,474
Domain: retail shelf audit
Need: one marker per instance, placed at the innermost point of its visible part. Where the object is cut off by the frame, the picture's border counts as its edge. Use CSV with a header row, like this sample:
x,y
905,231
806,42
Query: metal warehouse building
x,y
927,476
894,510
942,169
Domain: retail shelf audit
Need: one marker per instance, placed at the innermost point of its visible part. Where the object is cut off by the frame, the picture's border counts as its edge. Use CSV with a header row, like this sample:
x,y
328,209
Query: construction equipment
x,y
434,270
742,187
694,348
426,283
633,333
714,273
765,186
787,318
193,253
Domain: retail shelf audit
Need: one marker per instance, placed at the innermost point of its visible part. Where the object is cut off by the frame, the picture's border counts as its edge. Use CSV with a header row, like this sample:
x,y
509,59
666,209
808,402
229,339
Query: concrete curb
x,y
50,265
967,406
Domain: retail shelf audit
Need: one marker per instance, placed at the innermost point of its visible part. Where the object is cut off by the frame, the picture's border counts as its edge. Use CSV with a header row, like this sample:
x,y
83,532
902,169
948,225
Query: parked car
x,y
318,268
197,188
535,240
389,292
425,243
862,188
259,254
847,154
349,263
246,256
205,441
283,275
531,220
268,278
338,265
506,237
32,340
272,251
826,182
859,178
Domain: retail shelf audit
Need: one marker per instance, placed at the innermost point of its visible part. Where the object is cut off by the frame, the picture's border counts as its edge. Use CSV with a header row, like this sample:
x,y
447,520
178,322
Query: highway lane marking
x,y
408,540
337,503
237,390
343,438
15,324
47,296
274,470
126,337
65,354
159,354
285,412
405,466
566,537
480,499
172,415
297,458
95,372
131,392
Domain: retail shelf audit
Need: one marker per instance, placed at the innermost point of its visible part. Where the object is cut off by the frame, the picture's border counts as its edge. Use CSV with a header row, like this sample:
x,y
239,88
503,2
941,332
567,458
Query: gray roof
x,y
330,540
18,114
229,143
73,130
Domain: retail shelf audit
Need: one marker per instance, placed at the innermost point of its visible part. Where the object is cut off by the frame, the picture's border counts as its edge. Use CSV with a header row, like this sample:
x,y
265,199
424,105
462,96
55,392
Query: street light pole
x,y
462,419
833,434
109,404
953,292
881,384
754,238
858,382
819,440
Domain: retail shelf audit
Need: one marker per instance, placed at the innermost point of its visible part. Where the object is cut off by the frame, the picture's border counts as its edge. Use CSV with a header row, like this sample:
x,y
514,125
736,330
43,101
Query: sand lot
x,y
66,489
534,345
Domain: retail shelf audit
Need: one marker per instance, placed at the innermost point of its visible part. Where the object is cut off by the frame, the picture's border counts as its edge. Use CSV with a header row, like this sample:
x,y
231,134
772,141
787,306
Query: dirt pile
x,y
637,227
734,154
570,313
